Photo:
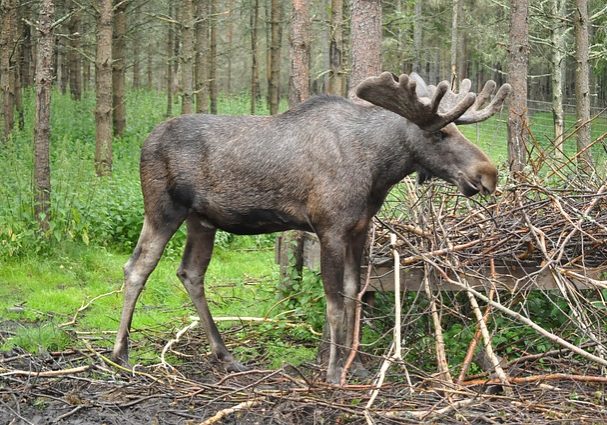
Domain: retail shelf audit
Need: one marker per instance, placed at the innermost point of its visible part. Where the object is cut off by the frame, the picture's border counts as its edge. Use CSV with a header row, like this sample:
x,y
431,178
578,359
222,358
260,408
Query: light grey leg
x,y
196,258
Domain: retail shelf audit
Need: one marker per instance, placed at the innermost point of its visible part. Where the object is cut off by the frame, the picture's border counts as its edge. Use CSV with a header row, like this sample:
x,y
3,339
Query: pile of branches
x,y
554,225
530,223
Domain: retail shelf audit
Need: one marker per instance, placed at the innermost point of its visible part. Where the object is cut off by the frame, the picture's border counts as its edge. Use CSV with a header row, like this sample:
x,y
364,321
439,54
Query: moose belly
x,y
256,221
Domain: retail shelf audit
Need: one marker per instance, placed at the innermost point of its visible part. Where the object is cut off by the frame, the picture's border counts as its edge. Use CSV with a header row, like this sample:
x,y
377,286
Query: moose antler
x,y
431,107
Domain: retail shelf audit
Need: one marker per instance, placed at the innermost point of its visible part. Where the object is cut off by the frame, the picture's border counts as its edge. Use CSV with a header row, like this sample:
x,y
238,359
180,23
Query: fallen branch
x,y
225,412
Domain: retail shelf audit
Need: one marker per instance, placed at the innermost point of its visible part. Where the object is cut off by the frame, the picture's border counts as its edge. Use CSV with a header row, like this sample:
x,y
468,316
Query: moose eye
x,y
438,135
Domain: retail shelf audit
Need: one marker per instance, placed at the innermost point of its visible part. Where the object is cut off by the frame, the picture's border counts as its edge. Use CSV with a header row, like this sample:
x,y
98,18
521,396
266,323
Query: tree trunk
x,y
337,78
26,60
42,127
187,56
417,37
230,43
75,63
582,89
202,50
118,68
454,45
103,88
152,46
299,79
518,54
558,13
254,56
62,65
213,57
366,33
136,51
8,18
274,82
169,64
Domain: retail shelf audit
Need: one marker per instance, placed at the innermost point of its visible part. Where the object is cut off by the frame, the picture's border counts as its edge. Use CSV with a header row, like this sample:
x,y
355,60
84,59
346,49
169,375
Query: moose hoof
x,y
234,366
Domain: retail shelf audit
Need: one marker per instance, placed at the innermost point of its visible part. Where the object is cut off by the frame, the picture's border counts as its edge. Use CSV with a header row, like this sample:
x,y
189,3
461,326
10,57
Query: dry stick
x,y
357,315
262,320
225,412
168,345
540,378
430,414
487,345
47,373
552,337
476,338
87,305
396,343
441,356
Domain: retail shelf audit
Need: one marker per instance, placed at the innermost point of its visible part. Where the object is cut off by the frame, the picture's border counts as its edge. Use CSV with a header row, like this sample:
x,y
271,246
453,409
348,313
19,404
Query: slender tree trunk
x,y
230,43
8,19
103,88
202,50
274,82
74,59
152,46
254,56
337,78
454,44
582,87
119,68
417,37
26,59
366,33
169,64
213,57
299,79
518,54
136,58
42,127
558,12
187,56
63,65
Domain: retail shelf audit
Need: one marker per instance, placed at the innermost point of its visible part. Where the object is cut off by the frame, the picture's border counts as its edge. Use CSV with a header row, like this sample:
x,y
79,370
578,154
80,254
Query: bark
x,y
255,91
518,55
582,89
103,88
558,13
230,44
213,57
26,59
187,56
366,35
299,79
417,37
169,64
276,41
202,47
150,64
119,68
8,19
42,128
454,44
74,58
337,78
63,66
136,52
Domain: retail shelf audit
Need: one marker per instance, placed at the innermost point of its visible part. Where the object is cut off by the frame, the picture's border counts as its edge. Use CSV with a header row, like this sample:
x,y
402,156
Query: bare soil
x,y
196,391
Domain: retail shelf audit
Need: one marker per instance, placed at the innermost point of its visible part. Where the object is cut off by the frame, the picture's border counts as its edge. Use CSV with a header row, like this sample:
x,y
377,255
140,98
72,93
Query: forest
x,y
484,309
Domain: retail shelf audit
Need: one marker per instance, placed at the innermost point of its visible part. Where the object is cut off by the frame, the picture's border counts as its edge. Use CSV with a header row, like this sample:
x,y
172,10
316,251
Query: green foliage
x,y
38,338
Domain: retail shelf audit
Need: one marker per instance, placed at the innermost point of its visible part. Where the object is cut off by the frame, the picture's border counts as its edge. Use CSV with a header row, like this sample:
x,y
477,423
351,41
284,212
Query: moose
x,y
325,166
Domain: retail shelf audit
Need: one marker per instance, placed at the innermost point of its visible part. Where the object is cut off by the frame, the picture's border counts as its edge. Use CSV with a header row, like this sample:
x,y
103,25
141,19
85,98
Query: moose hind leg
x,y
196,258
152,240
333,250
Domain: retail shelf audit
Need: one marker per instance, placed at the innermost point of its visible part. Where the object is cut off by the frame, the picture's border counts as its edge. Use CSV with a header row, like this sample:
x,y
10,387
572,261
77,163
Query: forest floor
x,y
84,387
